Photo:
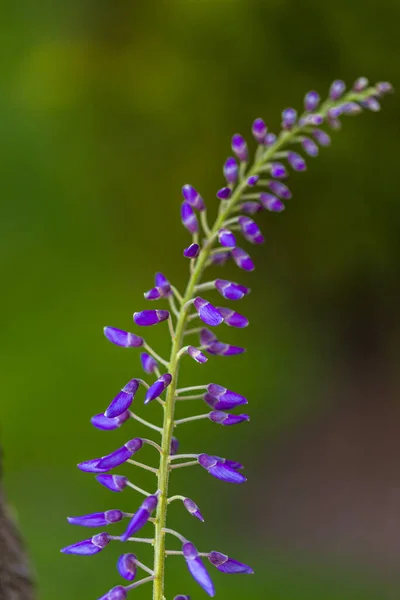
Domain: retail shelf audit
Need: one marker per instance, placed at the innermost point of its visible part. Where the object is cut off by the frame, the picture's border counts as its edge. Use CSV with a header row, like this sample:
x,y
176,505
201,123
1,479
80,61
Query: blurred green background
x,y
107,108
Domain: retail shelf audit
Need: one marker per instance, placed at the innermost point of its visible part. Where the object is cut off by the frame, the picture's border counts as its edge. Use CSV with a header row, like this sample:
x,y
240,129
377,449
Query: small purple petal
x,y
161,282
337,89
127,566
278,170
153,294
315,119
252,180
93,545
311,101
242,259
220,469
193,509
140,517
158,387
207,337
224,193
228,565
149,364
100,519
384,87
232,318
322,137
310,147
115,483
220,258
296,161
122,400
100,421
116,593
193,197
121,455
174,446
259,130
145,318
197,568
371,104
125,339
250,230
192,251
224,418
91,466
239,147
180,597
221,349
231,170
351,108
251,208
280,189
189,218
270,139
289,118
271,202
360,84
197,354
230,290
207,312
226,238
223,399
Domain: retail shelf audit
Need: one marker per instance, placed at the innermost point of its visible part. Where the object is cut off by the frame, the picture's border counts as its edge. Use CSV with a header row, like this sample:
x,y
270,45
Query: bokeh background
x,y
107,108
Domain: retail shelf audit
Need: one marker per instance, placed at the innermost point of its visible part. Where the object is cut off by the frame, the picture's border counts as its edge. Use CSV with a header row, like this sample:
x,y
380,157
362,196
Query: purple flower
x,y
100,519
158,387
220,258
242,259
127,566
116,593
193,509
231,170
220,398
192,251
311,101
289,118
140,518
278,170
232,318
193,197
270,139
93,545
251,208
125,339
121,455
154,294
228,565
180,597
322,137
220,469
226,238
251,231
207,312
188,217
296,161
161,282
230,290
224,418
145,318
115,483
221,349
239,147
224,193
122,400
314,119
197,568
310,147
149,364
252,180
100,421
384,87
280,189
271,202
91,466
360,84
337,89
371,103
197,354
174,446
207,337
259,130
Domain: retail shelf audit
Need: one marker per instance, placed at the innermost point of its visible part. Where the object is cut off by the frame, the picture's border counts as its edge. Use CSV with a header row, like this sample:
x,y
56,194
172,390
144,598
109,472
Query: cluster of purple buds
x,y
249,189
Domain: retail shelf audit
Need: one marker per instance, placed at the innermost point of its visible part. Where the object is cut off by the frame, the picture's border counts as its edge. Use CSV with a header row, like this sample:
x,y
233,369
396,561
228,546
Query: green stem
x,y
226,210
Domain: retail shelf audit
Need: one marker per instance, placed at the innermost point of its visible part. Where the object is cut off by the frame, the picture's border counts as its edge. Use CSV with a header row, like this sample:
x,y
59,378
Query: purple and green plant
x,y
251,187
